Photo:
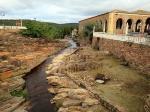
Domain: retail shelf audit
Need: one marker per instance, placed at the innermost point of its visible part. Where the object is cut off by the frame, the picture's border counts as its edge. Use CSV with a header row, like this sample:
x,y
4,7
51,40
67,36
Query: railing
x,y
12,27
139,40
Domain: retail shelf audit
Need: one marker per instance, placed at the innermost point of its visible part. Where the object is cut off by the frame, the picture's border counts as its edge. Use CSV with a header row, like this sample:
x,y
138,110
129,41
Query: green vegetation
x,y
88,29
19,93
98,27
7,22
46,30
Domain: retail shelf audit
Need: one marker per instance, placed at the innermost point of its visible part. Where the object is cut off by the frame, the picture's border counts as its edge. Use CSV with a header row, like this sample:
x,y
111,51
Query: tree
x,y
88,31
47,30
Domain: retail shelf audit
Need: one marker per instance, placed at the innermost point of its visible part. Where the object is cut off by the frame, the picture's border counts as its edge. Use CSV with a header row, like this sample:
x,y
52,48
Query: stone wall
x,y
137,55
112,17
100,19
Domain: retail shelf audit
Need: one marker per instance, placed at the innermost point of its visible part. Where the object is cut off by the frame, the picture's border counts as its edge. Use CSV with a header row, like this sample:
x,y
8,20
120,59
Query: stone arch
x,y
147,25
129,26
138,27
119,23
100,22
105,26
100,25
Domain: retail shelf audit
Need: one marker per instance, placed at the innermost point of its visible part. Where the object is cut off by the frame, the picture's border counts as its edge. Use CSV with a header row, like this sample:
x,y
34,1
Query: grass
x,y
19,93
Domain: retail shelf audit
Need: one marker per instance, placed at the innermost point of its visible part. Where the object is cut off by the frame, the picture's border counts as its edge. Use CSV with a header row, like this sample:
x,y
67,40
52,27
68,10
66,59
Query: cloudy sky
x,y
65,11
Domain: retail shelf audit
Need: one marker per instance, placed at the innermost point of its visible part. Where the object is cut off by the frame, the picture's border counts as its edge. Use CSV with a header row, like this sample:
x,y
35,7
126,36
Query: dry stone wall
x,y
137,55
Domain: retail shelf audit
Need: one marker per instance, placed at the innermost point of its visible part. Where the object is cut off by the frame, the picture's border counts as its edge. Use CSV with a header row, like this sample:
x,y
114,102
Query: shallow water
x,y
37,85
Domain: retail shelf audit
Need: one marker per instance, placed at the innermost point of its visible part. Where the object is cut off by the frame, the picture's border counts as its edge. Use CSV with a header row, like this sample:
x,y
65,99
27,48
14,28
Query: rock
x,y
61,82
6,74
78,94
60,96
63,109
71,102
90,102
72,109
147,104
11,104
54,80
4,84
100,81
50,66
48,72
52,90
59,99
99,76
78,91
64,90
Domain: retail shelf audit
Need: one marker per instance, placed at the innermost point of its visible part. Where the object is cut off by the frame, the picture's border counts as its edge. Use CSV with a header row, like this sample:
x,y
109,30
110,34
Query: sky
x,y
65,11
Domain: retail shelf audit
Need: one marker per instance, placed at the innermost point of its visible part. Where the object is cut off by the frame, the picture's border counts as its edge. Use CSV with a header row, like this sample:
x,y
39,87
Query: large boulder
x,y
79,94
61,82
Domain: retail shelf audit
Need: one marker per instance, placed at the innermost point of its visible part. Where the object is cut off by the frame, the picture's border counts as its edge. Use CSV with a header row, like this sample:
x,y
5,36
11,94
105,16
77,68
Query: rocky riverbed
x,y
69,96
85,80
74,80
18,55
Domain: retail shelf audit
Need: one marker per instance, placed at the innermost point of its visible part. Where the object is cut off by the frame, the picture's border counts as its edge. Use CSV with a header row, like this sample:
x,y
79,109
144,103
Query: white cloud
x,y
66,10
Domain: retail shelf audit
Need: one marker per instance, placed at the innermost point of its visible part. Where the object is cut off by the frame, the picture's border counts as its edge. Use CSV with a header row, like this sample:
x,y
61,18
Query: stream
x,y
37,85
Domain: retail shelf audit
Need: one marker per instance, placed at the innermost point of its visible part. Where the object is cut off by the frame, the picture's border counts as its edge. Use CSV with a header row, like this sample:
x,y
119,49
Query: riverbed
x,y
37,85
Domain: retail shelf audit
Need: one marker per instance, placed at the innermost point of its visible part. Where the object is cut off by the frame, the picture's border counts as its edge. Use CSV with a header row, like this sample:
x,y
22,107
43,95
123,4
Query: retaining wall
x,y
137,55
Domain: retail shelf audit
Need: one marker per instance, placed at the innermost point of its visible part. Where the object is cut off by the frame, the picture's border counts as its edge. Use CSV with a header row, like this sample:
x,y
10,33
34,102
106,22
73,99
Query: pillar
x,y
143,26
133,26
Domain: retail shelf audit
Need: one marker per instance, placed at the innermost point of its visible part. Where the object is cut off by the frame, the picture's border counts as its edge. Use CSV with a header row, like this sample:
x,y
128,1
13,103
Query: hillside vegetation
x,y
46,30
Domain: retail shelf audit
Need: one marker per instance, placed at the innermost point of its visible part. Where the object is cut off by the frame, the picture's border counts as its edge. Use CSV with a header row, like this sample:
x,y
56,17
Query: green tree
x,y
47,30
88,31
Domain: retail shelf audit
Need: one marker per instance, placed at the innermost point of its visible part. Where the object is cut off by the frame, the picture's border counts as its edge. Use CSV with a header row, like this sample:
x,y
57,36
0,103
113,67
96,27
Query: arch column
x,y
134,26
126,28
103,26
143,25
124,25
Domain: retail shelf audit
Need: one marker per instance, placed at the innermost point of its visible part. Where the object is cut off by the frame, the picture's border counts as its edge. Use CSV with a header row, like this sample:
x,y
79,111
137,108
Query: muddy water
x,y
37,85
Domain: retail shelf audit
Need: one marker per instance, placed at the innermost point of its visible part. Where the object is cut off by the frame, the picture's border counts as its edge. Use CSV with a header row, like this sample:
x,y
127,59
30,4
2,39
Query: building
x,y
11,24
19,23
120,22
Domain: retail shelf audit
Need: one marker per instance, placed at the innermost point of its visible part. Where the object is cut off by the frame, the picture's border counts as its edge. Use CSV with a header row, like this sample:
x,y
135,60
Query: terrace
x,y
135,38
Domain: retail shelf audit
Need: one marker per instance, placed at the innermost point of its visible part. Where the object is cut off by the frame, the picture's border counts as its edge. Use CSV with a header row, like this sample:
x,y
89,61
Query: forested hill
x,y
43,29
12,22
